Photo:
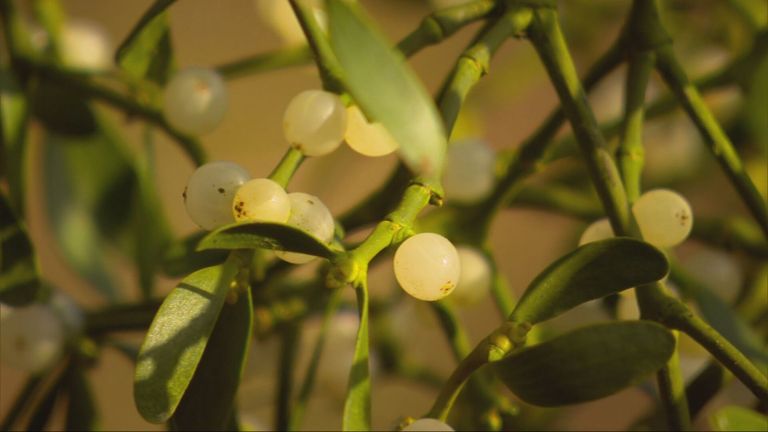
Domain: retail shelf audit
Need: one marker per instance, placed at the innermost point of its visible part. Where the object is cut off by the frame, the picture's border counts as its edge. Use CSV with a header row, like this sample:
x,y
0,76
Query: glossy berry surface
x,y
195,101
315,122
368,139
209,193
309,214
596,231
476,277
427,266
664,217
428,424
261,200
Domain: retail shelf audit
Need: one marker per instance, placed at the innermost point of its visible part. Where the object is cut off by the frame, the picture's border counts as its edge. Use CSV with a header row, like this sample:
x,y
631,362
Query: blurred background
x,y
504,108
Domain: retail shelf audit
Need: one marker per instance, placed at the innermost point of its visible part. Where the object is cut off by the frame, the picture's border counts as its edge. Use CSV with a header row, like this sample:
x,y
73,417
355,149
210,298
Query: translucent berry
x,y
261,200
469,171
476,276
664,217
85,45
279,16
315,122
368,139
598,230
32,337
309,214
427,266
195,101
428,424
209,193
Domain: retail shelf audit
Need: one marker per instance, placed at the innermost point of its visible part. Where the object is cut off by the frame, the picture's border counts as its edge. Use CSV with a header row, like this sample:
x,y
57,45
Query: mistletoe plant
x,y
235,275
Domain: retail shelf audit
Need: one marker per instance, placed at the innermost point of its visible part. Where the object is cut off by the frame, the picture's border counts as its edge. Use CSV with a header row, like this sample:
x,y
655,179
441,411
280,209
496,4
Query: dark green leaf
x,y
146,52
209,400
386,89
357,406
736,418
252,235
586,364
19,279
590,272
63,110
14,116
182,258
177,338
81,406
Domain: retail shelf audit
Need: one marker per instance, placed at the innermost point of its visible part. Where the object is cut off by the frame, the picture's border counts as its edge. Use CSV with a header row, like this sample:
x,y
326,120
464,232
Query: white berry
x,y
209,193
31,338
279,16
309,214
315,122
368,139
664,217
427,266
476,277
85,45
428,424
598,230
469,171
195,101
261,200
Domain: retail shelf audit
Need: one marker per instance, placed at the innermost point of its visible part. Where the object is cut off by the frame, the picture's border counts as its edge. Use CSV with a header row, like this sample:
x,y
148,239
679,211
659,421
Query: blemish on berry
x,y
221,190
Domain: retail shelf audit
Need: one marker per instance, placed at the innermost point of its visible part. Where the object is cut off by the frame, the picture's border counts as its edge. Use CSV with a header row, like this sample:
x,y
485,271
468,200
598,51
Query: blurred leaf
x,y
220,368
586,364
14,116
176,339
19,279
81,407
252,235
386,88
63,110
590,272
357,406
736,418
147,52
181,257
41,414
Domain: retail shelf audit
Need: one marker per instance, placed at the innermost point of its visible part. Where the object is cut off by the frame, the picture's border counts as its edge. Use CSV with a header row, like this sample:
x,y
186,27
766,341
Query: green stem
x,y
327,65
357,406
264,62
289,342
631,152
475,62
441,24
122,317
287,167
716,139
672,393
451,389
91,90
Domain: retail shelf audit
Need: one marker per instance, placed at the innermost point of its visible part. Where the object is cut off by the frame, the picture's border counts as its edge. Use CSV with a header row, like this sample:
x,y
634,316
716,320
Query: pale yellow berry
x,y
261,200
368,139
427,266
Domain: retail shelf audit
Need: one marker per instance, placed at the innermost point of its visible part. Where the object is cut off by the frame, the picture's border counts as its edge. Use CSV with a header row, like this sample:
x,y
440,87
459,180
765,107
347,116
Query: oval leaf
x,y
146,52
590,272
386,89
19,280
177,338
220,368
252,235
586,364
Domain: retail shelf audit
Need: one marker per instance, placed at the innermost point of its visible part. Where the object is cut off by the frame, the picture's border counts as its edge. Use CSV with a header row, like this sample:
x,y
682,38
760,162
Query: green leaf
x,y
386,88
181,256
252,235
357,406
19,279
14,116
176,339
81,407
63,110
590,272
147,52
736,418
42,412
210,398
586,364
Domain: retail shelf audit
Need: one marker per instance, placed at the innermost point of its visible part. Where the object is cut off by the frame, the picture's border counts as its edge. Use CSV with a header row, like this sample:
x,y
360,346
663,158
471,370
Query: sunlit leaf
x,y
386,88
220,368
176,340
251,235
586,364
590,272
736,418
146,52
